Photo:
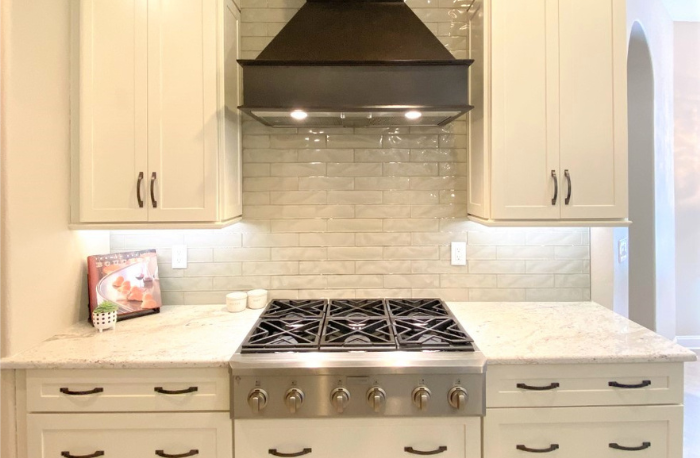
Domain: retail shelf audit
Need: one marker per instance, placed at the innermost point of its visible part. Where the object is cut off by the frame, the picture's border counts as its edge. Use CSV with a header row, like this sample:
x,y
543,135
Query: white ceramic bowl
x,y
236,302
257,298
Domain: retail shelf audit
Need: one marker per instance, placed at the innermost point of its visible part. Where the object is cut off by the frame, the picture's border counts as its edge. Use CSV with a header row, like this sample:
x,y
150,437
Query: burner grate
x,y
295,308
416,308
276,335
356,308
358,334
431,334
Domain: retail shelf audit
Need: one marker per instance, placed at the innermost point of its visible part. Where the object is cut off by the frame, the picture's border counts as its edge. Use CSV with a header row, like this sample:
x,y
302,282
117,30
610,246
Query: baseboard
x,y
691,342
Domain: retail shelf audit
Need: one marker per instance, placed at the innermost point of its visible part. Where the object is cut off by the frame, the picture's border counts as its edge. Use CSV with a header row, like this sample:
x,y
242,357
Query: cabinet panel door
x,y
592,42
524,109
112,85
182,110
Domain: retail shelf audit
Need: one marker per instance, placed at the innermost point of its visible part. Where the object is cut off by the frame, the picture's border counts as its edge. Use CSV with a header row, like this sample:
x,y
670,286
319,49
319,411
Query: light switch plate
x,y
622,250
459,254
179,256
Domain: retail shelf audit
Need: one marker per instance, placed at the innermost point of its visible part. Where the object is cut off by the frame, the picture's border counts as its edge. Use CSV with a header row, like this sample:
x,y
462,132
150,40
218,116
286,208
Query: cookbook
x,y
128,279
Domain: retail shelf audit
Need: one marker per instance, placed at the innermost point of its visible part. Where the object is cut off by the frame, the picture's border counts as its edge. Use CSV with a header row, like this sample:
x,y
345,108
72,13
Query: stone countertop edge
x,y
506,332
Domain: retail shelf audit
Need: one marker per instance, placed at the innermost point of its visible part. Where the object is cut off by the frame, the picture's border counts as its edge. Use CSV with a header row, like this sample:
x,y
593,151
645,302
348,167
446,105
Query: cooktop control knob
x,y
376,397
294,398
421,396
257,399
340,397
457,397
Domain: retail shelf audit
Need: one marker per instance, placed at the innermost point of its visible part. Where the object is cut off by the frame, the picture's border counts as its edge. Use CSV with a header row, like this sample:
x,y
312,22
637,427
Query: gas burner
x,y
356,308
416,308
369,334
431,334
275,335
295,308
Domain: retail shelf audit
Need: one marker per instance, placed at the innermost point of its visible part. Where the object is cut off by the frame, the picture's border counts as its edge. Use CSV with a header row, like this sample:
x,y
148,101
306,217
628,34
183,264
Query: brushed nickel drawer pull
x,y
192,452
556,187
274,452
81,393
551,386
161,390
644,384
92,455
616,446
438,450
551,448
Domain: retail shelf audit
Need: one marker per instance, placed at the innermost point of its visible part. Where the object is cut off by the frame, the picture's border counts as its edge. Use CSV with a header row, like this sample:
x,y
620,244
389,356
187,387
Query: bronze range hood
x,y
355,63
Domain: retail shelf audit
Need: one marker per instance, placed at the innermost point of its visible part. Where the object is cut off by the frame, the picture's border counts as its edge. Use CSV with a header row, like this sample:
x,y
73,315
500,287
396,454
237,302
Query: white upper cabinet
x,y
158,132
550,117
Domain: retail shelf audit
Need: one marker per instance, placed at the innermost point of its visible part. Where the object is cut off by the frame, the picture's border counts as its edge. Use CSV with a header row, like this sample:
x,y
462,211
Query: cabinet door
x,y
593,88
524,109
182,110
111,82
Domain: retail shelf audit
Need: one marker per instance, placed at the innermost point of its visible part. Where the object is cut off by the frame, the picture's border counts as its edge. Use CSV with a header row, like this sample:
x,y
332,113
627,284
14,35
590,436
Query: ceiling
x,y
683,10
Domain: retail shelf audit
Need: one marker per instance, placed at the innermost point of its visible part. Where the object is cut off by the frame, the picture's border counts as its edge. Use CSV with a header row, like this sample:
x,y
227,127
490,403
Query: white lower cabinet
x,y
124,435
359,438
585,432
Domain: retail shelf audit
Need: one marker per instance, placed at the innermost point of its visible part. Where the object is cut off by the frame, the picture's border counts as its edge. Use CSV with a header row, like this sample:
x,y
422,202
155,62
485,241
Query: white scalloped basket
x,y
104,320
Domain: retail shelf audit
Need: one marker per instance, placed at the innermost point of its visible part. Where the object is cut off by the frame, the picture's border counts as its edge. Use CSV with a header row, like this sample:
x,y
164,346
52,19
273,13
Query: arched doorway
x,y
642,233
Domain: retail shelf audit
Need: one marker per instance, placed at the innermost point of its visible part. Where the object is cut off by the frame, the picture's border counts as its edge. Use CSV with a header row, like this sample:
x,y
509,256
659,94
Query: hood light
x,y
413,114
299,115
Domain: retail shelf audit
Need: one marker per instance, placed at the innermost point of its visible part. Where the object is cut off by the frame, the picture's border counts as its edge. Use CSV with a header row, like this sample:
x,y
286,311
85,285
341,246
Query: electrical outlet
x,y
459,253
622,250
179,256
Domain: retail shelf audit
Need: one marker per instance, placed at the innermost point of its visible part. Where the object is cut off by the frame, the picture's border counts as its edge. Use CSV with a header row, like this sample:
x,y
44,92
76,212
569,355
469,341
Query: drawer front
x,y
121,435
128,390
584,432
584,385
353,438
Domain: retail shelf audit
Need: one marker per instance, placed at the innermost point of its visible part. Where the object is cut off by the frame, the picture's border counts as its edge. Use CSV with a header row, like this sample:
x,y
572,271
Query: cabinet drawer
x,y
128,390
584,385
352,438
121,435
584,432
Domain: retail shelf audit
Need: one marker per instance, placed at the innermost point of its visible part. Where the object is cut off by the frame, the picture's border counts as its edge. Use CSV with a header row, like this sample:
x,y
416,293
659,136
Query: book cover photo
x,y
128,279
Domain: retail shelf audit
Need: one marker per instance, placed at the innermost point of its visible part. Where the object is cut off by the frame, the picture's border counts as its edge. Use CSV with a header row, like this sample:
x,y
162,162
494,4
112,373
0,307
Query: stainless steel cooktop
x,y
357,357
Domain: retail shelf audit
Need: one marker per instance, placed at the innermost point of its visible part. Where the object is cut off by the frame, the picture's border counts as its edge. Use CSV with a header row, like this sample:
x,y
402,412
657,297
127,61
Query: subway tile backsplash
x,y
362,212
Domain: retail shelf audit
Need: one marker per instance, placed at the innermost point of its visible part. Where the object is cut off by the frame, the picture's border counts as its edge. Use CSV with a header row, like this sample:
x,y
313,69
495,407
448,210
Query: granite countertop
x,y
507,333
561,333
178,336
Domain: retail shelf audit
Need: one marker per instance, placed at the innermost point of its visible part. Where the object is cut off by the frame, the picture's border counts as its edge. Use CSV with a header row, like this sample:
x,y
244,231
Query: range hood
x,y
355,63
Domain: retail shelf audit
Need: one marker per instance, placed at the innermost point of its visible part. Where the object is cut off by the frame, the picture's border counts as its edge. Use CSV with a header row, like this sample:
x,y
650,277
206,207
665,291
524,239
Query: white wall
x,y
609,274
43,272
658,28
687,168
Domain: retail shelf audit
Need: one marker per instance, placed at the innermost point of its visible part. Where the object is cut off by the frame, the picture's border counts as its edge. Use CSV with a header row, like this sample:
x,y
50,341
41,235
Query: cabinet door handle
x,y
154,203
92,455
556,187
274,452
551,448
413,451
138,190
616,446
160,389
81,393
192,452
571,188
644,383
551,386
